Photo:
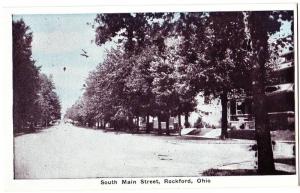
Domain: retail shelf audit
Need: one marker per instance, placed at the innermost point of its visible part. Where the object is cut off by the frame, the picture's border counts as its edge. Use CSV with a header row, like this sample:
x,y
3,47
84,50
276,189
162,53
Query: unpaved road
x,y
66,151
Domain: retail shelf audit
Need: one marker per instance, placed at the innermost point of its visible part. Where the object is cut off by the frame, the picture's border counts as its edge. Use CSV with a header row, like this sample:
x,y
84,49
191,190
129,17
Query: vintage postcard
x,y
148,97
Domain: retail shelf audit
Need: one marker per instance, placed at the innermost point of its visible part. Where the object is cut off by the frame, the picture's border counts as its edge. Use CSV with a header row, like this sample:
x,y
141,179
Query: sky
x,y
58,40
57,43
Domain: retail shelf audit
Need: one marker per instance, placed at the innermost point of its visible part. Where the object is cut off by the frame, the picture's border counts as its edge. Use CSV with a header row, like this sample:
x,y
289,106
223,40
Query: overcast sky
x,y
57,43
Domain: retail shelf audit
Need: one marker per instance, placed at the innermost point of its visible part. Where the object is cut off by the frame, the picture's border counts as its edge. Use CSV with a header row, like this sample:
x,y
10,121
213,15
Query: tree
x,y
135,32
230,59
139,85
34,98
104,87
76,113
25,78
190,29
48,101
261,26
217,60
163,71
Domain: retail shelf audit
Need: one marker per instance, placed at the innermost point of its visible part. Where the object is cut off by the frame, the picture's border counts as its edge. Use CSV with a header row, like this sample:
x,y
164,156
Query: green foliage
x,y
136,30
164,60
163,72
25,78
48,101
33,95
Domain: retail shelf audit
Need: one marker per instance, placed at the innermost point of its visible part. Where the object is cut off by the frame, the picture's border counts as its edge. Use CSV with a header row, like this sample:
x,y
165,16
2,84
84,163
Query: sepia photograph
x,y
153,94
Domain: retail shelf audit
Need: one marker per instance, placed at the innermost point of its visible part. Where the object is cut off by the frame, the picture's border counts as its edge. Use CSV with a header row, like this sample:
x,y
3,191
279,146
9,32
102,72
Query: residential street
x,y
212,102
66,151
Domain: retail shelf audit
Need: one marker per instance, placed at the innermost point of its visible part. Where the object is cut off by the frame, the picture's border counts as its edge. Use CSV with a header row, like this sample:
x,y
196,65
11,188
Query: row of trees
x,y
35,102
165,59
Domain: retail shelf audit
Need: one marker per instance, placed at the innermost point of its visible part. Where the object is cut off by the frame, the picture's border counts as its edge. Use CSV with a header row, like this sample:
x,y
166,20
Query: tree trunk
x,y
137,124
168,125
46,124
259,47
116,125
100,124
131,124
147,124
159,126
104,124
263,137
186,120
224,101
179,124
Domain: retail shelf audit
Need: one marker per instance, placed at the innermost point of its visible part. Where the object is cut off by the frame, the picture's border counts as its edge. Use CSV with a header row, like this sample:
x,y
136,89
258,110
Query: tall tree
x,y
163,71
261,26
105,87
139,85
217,61
229,58
190,29
135,31
25,78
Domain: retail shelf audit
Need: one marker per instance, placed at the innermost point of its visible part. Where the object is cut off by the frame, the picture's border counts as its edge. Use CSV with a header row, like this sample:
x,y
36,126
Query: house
x,y
281,94
279,98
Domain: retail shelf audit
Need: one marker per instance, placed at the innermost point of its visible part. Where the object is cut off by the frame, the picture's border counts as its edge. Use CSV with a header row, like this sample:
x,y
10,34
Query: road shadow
x,y
288,161
240,172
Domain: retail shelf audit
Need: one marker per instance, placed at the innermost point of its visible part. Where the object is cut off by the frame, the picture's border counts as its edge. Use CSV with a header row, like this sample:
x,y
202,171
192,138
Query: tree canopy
x,y
165,59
